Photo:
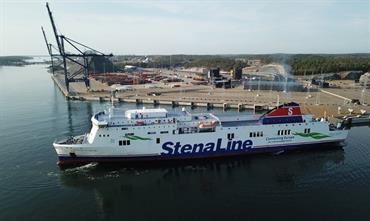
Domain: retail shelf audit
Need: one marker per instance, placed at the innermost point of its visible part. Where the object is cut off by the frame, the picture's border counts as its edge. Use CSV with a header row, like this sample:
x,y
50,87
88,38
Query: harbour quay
x,y
323,102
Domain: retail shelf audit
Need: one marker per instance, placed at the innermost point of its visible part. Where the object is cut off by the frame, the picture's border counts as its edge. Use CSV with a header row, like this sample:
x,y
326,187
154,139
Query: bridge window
x,y
158,140
164,132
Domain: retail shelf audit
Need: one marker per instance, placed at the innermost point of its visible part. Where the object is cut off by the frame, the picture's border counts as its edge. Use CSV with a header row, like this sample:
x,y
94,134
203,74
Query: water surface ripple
x,y
309,185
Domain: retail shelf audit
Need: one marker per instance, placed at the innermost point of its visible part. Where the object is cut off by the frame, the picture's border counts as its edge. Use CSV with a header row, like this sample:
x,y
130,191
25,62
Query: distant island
x,y
14,60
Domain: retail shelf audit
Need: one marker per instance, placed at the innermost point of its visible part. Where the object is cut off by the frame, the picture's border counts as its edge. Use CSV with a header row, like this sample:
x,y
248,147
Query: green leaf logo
x,y
314,135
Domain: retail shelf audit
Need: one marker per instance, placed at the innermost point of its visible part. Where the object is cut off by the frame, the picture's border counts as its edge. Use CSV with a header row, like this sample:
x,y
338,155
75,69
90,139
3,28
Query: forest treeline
x,y
225,62
301,64
317,64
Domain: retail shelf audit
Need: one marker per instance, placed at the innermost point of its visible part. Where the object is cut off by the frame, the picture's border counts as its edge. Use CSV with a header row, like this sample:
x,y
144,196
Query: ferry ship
x,y
156,134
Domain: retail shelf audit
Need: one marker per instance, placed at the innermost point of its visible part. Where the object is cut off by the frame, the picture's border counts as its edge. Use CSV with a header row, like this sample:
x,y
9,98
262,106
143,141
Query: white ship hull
x,y
189,136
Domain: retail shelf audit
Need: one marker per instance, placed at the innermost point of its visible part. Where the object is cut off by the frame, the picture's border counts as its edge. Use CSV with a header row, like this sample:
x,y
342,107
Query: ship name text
x,y
176,148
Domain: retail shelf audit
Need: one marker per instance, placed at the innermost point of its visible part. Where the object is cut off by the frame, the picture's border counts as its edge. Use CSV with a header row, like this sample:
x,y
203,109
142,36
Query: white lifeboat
x,y
207,124
140,122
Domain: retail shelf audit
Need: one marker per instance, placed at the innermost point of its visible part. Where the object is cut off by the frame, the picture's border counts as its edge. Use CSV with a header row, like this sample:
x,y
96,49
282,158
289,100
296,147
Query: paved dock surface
x,y
328,103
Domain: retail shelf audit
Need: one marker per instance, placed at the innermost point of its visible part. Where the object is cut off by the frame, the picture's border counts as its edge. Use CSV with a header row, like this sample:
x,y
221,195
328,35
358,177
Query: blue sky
x,y
190,27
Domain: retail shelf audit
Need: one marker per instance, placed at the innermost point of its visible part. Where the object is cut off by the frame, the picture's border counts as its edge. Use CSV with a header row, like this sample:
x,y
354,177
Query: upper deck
x,y
139,117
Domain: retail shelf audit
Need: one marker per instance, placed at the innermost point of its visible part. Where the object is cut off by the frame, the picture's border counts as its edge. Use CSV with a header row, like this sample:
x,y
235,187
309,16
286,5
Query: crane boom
x,y
46,41
61,51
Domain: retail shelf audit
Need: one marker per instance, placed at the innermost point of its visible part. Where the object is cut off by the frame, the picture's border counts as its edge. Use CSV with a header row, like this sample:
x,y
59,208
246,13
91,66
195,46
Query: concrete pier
x,y
240,107
175,103
209,106
60,84
327,102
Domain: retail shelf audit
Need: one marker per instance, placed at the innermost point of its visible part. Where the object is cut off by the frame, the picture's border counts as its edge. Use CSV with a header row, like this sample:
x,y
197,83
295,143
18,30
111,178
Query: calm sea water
x,y
310,185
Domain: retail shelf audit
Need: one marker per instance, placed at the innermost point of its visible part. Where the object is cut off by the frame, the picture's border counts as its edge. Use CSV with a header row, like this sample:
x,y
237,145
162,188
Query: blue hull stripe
x,y
66,159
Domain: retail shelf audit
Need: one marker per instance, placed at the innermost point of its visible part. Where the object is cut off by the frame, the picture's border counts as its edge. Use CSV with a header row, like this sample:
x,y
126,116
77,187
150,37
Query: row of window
x,y
188,130
230,136
125,128
284,132
150,122
128,142
256,134
124,142
150,132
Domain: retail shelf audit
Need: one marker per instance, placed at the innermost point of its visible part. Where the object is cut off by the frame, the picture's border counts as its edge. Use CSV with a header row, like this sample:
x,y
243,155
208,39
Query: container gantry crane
x,y
82,56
